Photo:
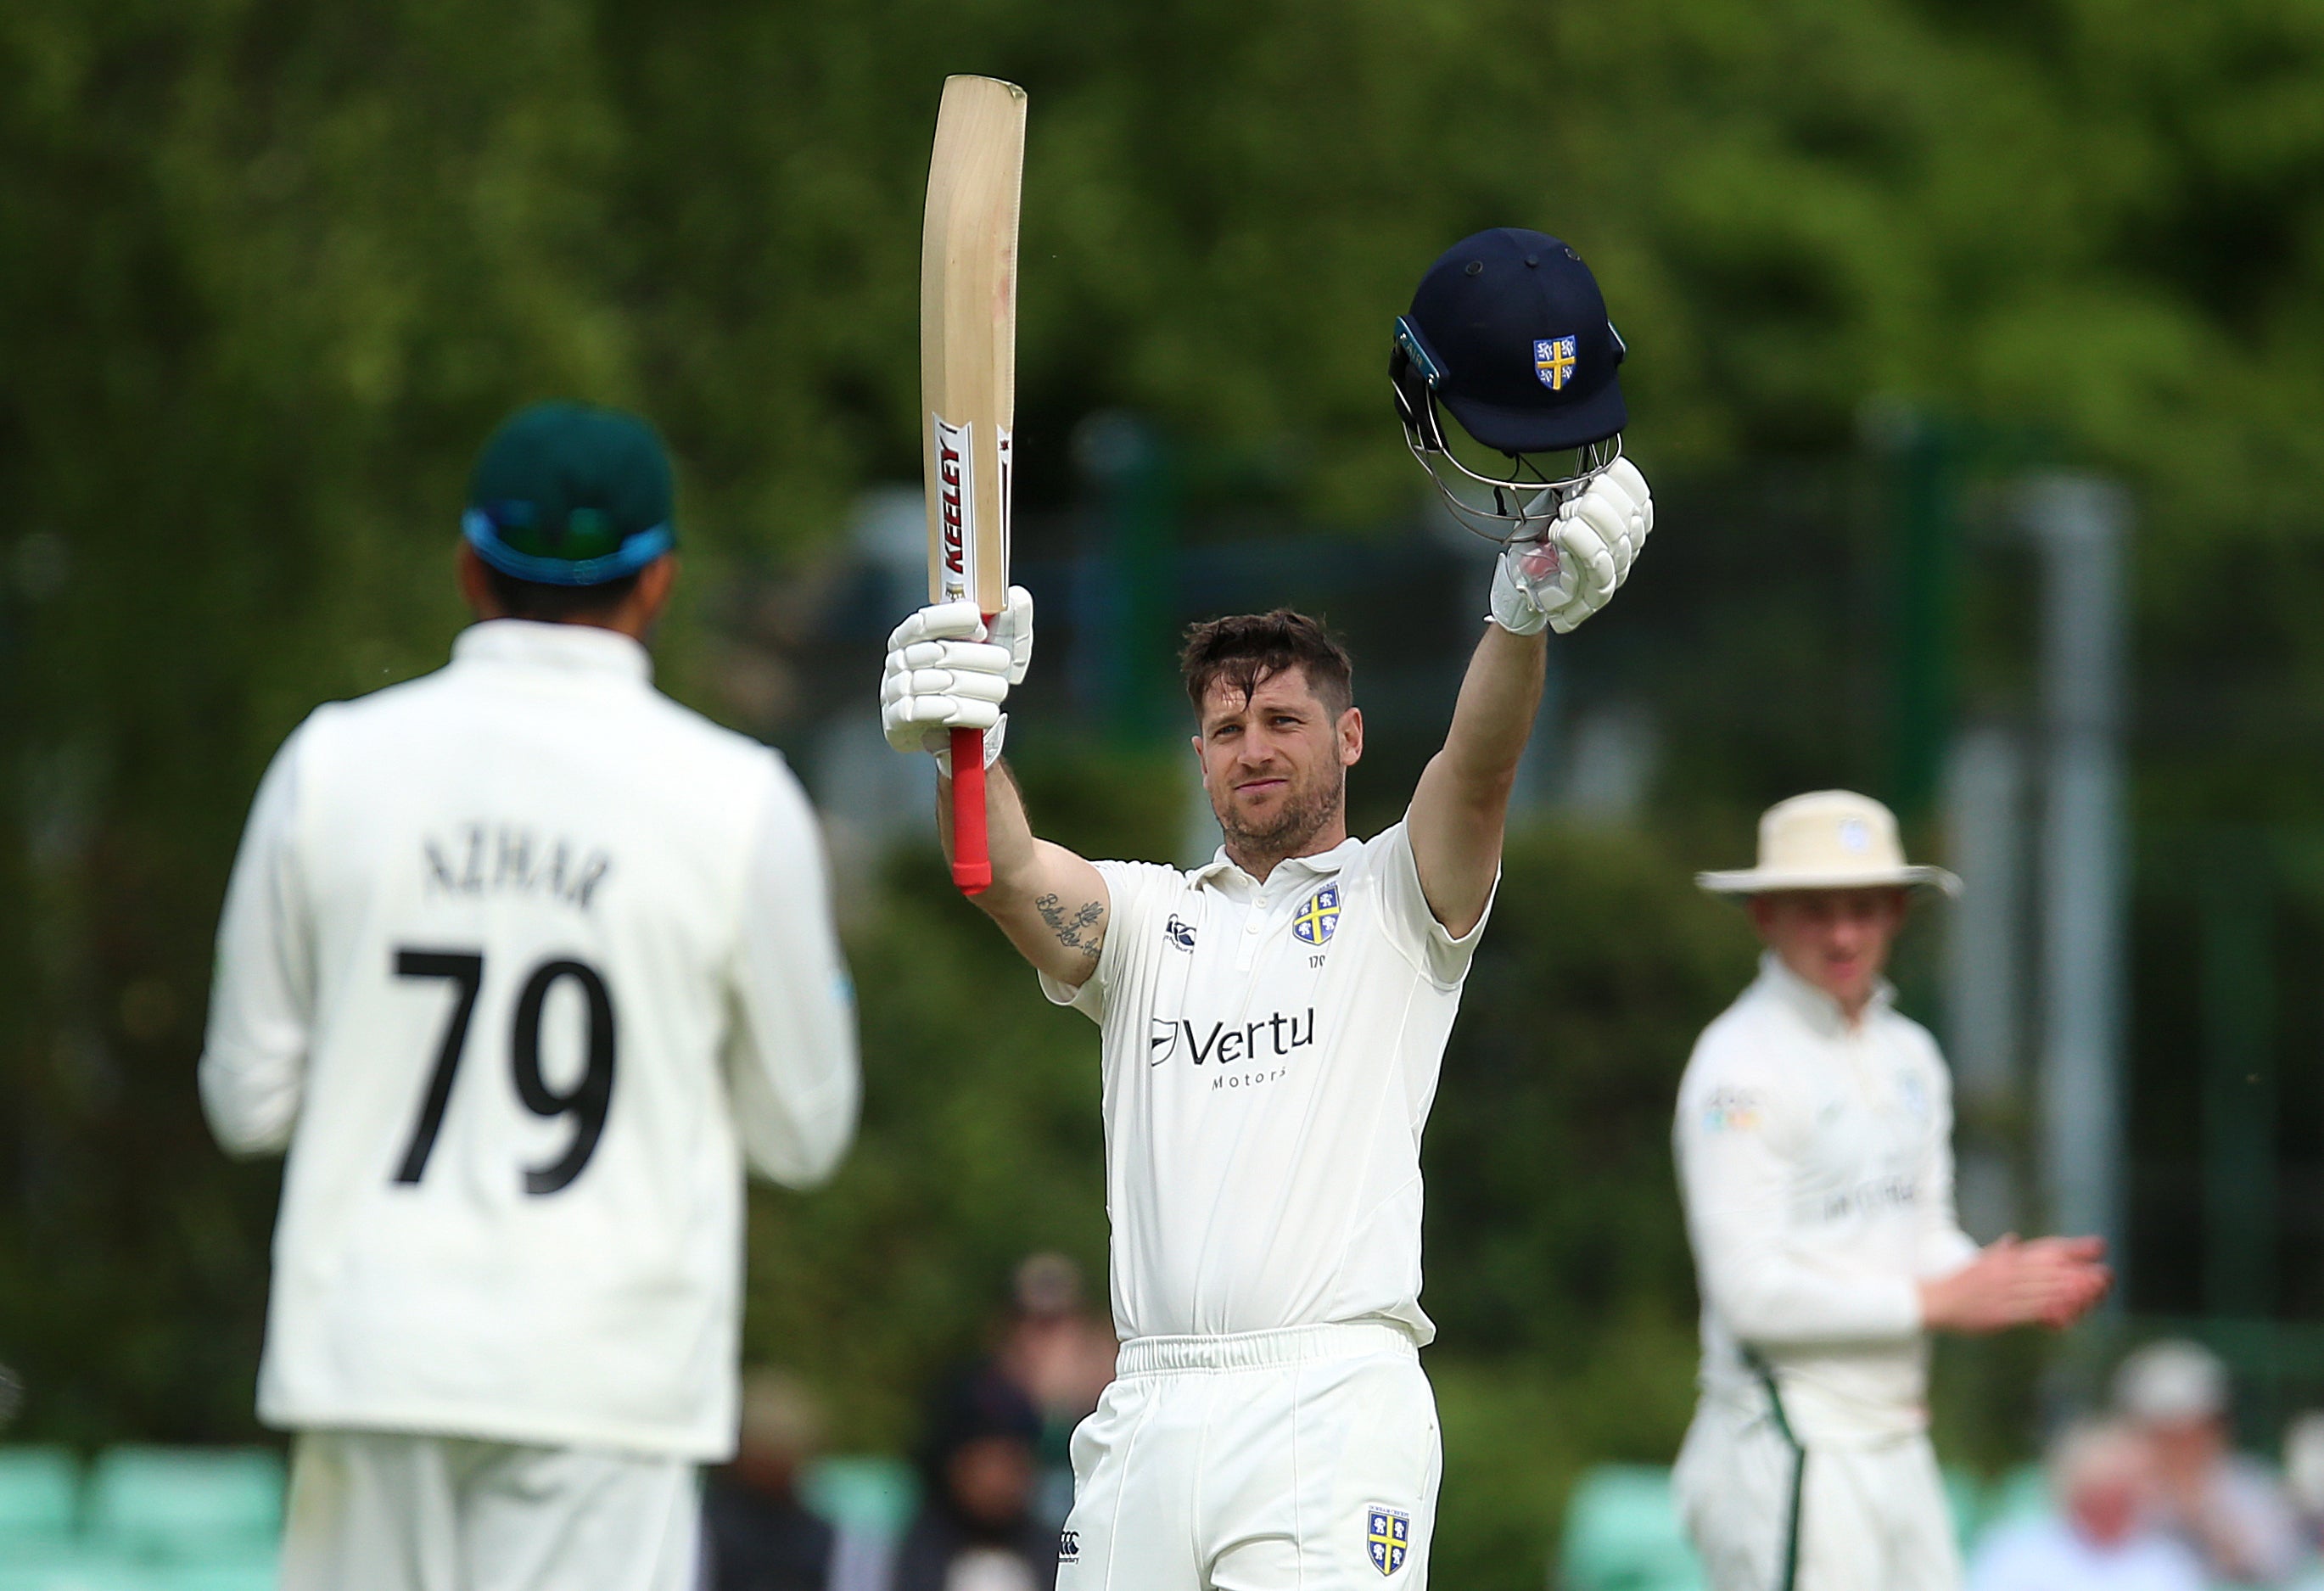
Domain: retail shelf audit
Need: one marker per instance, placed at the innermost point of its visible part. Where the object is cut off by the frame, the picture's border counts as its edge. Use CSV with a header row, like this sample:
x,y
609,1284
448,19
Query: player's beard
x,y
1304,813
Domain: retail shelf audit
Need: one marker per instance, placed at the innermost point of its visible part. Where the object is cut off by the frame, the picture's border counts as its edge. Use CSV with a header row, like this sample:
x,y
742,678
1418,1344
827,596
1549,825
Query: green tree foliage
x,y
1560,1213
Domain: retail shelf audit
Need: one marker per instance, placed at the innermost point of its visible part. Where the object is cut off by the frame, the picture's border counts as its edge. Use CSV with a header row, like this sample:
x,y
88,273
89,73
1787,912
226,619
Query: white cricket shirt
x,y
1270,1052
519,961
1816,1160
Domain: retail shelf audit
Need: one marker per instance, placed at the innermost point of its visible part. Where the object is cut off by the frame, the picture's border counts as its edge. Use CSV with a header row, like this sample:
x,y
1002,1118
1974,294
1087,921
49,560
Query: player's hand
x,y
948,669
2085,1278
2050,1282
1576,568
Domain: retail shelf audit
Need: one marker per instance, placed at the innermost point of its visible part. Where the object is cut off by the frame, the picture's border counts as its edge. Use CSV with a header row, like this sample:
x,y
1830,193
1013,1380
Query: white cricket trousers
x,y
1767,1515
1304,1459
375,1511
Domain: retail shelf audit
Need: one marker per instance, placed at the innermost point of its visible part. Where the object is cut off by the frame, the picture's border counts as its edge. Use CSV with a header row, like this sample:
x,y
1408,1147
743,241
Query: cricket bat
x,y
968,386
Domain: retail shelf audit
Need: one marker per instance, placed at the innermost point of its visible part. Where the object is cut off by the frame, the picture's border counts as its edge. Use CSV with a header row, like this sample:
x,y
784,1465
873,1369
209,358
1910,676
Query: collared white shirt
x,y
1270,1051
1816,1162
519,962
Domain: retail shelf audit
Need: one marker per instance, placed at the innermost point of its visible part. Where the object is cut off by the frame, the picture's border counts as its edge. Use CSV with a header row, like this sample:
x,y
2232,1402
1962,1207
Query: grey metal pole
x,y
2079,522
1986,973
1984,945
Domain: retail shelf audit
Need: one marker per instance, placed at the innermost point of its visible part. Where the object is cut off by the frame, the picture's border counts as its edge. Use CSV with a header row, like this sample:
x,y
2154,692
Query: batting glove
x,y
1571,572
948,669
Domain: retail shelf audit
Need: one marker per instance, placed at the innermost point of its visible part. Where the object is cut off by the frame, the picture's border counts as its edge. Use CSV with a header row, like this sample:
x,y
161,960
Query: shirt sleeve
x,y
1412,924
1130,890
793,1072
2254,1524
253,1067
1944,1247
1736,1148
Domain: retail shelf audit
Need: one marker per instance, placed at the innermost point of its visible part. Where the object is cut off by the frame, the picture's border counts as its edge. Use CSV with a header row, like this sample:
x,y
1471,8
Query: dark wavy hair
x,y
1247,650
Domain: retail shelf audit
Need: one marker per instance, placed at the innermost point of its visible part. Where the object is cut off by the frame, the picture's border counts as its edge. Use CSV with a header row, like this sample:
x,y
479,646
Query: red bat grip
x,y
972,863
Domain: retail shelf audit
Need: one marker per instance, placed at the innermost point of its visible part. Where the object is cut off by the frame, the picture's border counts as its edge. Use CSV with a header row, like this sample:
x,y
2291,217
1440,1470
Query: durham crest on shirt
x,y
1387,1534
1318,917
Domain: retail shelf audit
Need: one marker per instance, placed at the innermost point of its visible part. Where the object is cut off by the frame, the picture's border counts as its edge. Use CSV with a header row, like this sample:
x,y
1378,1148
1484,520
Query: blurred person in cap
x,y
520,963
978,1528
2303,1471
1814,1142
1061,1356
2225,1505
758,1535
2102,1537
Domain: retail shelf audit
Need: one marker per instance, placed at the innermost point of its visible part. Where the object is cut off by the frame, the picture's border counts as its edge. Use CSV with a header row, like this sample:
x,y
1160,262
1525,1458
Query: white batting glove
x,y
947,670
1571,572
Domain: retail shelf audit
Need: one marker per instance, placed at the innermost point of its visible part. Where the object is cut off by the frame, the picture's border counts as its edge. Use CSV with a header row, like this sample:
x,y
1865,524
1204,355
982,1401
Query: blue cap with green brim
x,y
568,494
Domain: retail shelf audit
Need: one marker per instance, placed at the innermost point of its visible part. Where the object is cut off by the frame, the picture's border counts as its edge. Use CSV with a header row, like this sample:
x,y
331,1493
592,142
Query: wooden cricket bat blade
x,y
968,384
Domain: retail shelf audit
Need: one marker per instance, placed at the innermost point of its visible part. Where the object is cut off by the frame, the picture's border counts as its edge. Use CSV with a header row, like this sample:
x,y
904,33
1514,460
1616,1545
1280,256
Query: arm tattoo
x,y
1072,931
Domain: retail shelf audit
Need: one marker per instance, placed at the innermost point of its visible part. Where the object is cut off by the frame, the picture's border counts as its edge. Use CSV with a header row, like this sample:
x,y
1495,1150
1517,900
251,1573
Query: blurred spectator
x,y
2228,1507
977,1529
2102,1537
757,1535
2303,1471
1061,1356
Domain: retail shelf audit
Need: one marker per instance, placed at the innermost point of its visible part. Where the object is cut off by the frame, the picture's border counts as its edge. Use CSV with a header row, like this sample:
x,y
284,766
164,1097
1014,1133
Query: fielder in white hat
x,y
1814,1147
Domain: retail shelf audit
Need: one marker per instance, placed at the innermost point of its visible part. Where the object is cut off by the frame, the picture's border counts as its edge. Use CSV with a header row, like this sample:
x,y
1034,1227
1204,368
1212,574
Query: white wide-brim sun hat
x,y
1828,839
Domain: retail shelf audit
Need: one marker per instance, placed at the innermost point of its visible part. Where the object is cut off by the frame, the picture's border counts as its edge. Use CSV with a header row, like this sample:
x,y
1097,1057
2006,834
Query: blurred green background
x,y
270,268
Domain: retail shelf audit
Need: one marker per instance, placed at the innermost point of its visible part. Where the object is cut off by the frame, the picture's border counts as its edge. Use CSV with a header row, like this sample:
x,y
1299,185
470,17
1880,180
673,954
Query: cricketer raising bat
x,y
968,385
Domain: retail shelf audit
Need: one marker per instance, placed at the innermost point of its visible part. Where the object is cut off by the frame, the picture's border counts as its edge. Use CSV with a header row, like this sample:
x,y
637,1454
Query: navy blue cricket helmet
x,y
1508,333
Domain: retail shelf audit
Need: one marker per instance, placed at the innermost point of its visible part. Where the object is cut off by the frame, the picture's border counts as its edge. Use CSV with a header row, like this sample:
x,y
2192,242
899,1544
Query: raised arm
x,y
1462,800
947,670
1051,903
